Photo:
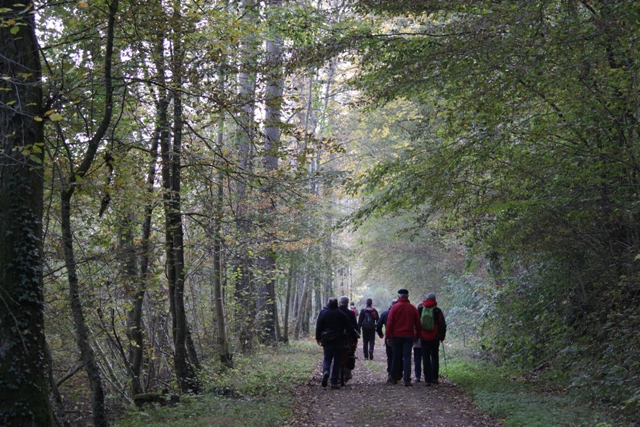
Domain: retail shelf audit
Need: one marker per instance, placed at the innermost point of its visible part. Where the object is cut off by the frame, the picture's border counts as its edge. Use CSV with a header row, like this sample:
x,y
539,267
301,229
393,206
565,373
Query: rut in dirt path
x,y
368,400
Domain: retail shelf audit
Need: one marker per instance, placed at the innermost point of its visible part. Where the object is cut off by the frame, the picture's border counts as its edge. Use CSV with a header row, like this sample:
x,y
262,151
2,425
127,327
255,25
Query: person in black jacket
x,y
330,328
382,322
367,322
350,344
344,307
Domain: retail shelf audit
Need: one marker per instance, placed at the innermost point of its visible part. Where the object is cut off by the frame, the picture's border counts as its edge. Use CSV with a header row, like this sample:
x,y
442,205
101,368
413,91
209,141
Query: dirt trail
x,y
368,400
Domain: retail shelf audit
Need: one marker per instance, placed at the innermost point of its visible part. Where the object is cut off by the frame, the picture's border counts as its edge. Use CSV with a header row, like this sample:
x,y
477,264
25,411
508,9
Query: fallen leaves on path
x,y
368,400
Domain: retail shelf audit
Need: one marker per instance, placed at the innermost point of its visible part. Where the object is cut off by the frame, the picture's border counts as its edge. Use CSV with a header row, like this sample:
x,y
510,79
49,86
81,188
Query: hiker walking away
x,y
434,330
353,308
402,330
349,356
344,307
417,356
367,323
330,328
382,322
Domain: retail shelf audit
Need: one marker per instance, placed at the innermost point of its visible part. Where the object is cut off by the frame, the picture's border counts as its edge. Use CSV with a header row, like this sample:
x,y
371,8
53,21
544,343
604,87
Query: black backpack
x,y
369,321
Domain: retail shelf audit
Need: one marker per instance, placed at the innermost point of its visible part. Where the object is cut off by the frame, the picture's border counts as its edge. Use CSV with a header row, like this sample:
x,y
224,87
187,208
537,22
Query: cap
x,y
403,293
431,296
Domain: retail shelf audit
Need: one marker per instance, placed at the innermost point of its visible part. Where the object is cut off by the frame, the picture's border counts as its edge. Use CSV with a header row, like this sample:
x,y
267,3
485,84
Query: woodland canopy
x,y
188,180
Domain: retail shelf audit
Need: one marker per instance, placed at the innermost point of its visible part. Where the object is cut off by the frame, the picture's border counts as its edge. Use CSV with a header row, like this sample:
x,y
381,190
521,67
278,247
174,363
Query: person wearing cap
x,y
430,340
402,330
367,323
382,322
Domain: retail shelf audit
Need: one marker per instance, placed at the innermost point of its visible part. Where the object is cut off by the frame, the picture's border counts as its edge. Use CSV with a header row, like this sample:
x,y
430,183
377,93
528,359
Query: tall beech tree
x,y
24,388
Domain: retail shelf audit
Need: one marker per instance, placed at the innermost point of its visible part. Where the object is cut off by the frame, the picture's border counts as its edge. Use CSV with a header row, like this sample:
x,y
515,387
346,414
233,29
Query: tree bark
x,y
24,386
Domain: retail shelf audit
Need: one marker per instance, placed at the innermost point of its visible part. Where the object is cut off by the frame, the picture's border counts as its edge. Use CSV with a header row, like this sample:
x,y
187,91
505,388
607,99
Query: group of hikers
x,y
407,328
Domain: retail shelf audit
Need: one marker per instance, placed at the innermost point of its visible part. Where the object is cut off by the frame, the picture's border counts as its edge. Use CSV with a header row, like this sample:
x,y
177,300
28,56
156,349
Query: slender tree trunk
x,y
273,104
222,341
245,138
134,316
82,331
290,279
24,386
185,357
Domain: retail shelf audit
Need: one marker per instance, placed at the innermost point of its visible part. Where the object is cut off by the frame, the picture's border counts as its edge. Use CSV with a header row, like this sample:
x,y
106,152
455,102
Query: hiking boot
x,y
371,357
427,384
416,380
408,384
335,387
392,380
435,382
325,379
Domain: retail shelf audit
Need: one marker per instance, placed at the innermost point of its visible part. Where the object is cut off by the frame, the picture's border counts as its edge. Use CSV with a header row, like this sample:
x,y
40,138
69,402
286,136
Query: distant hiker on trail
x,y
382,322
417,356
330,329
434,330
367,322
353,308
403,328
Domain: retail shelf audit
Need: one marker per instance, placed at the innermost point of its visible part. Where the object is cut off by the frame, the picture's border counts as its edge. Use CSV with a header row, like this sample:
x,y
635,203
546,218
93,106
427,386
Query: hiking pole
x,y
444,356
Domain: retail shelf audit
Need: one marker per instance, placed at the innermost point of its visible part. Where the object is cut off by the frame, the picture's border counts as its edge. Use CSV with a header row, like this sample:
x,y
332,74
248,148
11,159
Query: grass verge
x,y
515,402
259,392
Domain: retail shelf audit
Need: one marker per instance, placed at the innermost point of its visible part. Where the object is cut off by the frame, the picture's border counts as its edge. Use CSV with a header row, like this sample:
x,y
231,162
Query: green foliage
x,y
516,401
528,154
261,388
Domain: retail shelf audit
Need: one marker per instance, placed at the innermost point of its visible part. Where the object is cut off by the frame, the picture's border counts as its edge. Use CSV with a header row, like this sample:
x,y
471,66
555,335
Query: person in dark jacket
x,y
382,322
403,328
350,344
367,323
344,307
430,340
333,320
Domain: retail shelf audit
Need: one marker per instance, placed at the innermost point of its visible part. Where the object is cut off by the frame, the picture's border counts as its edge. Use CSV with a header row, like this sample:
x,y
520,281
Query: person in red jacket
x,y
402,330
430,339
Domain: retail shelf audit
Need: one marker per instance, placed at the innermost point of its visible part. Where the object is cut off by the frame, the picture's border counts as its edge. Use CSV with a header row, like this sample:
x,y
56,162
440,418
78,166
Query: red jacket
x,y
438,331
403,320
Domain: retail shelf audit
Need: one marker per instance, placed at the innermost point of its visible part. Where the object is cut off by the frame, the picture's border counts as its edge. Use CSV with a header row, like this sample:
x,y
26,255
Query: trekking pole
x,y
444,356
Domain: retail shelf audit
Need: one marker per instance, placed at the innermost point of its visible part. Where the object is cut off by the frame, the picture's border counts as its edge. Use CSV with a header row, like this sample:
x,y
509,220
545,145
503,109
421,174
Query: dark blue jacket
x,y
382,321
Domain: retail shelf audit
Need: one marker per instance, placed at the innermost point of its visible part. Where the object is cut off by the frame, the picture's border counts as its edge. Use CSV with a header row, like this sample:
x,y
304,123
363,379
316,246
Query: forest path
x,y
368,400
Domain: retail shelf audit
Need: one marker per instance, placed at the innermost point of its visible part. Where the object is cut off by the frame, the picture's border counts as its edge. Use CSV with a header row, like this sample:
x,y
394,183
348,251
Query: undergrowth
x,y
258,392
518,401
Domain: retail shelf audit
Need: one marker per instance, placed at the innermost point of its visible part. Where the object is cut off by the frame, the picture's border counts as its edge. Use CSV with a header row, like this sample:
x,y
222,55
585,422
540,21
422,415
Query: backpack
x,y
427,318
369,321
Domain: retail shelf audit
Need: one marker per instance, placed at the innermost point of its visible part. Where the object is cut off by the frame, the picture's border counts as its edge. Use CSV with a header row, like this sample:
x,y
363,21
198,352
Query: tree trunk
x,y
134,316
174,237
82,331
290,279
222,341
273,106
24,387
245,139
